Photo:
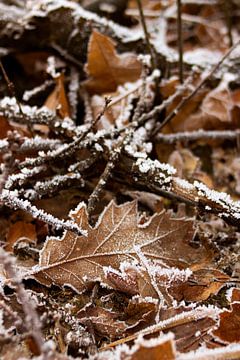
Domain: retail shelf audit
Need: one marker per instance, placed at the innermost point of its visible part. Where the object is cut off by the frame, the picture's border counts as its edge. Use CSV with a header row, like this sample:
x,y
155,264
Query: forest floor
x,y
120,179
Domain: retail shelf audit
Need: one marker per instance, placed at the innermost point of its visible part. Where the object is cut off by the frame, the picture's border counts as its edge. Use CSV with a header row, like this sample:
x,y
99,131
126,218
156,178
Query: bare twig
x,y
180,40
56,183
147,37
227,5
11,88
159,108
94,197
116,153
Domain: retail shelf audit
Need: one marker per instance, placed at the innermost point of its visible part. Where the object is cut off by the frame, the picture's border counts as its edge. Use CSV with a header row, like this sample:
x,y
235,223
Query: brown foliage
x,y
106,68
118,237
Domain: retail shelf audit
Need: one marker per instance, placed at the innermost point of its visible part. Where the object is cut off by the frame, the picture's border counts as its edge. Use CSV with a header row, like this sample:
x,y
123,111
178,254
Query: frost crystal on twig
x,y
10,199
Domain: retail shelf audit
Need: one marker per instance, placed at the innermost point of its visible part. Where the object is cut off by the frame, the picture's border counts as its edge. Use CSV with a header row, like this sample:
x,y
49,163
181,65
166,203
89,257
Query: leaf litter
x,y
119,185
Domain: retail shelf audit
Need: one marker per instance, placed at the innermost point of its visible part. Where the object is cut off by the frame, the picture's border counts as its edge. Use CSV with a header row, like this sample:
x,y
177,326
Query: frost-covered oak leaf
x,y
118,236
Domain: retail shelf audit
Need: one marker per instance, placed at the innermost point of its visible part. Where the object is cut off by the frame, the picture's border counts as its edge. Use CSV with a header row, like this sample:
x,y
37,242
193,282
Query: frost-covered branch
x,y
187,136
21,178
10,199
31,144
10,109
155,175
79,25
183,318
57,183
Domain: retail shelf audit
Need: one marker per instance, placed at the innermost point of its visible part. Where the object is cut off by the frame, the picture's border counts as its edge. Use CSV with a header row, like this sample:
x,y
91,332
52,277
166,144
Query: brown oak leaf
x,y
57,100
200,285
228,329
118,237
106,68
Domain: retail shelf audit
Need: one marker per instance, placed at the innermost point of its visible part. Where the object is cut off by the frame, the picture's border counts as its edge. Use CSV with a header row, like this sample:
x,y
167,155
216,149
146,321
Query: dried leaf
x,y
228,329
20,231
185,162
218,110
235,296
180,121
117,237
182,321
139,314
4,127
57,100
105,322
106,68
200,285
155,349
219,104
188,335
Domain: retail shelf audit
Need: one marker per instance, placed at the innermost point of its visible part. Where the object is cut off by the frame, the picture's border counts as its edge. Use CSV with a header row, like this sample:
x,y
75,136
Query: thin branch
x,y
228,8
180,319
94,197
11,88
55,184
197,135
116,153
180,40
10,199
9,108
159,108
147,36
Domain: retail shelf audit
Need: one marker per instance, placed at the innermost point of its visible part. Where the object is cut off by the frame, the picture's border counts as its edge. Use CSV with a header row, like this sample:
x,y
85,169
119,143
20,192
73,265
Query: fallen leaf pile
x,y
119,183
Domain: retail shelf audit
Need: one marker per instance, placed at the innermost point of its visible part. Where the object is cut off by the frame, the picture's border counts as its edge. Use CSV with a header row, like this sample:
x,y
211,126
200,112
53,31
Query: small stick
x,y
198,87
11,88
188,136
228,18
94,197
183,318
180,40
147,37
